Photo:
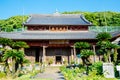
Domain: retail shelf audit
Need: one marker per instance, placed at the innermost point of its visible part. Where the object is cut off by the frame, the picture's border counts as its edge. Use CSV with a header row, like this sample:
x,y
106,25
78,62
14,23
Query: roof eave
x,y
57,39
58,24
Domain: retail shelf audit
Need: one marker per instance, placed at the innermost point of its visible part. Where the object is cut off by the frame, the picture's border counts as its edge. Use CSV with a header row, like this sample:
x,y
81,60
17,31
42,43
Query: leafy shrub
x,y
116,72
26,60
72,62
2,74
78,73
62,68
95,77
65,62
72,74
50,61
1,58
86,53
24,77
96,66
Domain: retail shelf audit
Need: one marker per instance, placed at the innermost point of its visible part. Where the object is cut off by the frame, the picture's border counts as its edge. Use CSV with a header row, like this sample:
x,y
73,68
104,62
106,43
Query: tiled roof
x,y
115,34
61,19
48,35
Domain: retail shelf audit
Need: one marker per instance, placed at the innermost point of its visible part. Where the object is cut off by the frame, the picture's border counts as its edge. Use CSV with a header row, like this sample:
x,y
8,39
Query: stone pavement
x,y
51,73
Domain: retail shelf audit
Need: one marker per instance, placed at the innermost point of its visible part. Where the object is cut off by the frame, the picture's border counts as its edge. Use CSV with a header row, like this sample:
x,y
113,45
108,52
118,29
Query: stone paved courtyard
x,y
51,73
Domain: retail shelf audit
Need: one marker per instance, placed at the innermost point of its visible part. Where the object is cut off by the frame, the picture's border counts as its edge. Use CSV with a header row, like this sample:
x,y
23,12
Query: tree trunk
x,y
13,65
88,60
108,55
6,68
83,60
105,57
115,55
16,66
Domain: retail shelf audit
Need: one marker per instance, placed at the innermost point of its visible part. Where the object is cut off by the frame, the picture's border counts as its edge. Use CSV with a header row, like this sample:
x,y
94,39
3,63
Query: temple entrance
x,y
34,54
58,60
37,54
59,54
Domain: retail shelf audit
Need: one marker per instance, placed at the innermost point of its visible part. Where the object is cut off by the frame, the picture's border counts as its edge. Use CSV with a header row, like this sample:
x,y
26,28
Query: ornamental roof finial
x,y
56,13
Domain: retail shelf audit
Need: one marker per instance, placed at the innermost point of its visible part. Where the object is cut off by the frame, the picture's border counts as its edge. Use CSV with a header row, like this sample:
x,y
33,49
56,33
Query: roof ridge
x,y
56,15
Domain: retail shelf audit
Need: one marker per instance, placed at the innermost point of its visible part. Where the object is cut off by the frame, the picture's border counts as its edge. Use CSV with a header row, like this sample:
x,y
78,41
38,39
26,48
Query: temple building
x,y
52,36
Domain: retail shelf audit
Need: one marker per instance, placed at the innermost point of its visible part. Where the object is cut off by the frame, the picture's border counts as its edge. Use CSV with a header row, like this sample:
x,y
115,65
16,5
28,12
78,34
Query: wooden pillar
x,y
74,51
67,28
49,28
94,53
44,54
72,54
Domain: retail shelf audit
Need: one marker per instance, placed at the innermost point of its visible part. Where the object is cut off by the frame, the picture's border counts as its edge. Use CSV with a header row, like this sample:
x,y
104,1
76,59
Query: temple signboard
x,y
58,42
108,70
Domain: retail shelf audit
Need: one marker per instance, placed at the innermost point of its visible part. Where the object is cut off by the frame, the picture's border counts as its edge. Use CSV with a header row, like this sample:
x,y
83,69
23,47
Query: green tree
x,y
16,57
98,18
14,52
115,53
85,52
104,36
82,45
19,45
6,42
12,23
105,46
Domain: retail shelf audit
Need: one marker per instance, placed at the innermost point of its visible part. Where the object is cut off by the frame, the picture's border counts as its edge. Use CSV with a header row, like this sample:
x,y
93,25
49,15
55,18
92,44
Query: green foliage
x,y
69,74
95,77
20,44
105,46
72,74
115,53
72,62
6,41
116,72
96,67
25,60
83,45
11,23
24,77
104,36
86,53
98,18
79,73
2,75
13,54
50,61
17,57
62,68
74,12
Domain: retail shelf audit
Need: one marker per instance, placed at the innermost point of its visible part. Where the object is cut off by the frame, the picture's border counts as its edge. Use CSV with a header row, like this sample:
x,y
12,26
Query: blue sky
x,y
10,8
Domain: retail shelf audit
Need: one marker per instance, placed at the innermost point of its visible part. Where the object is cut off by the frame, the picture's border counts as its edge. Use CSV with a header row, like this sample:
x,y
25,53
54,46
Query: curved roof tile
x,y
62,19
48,35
